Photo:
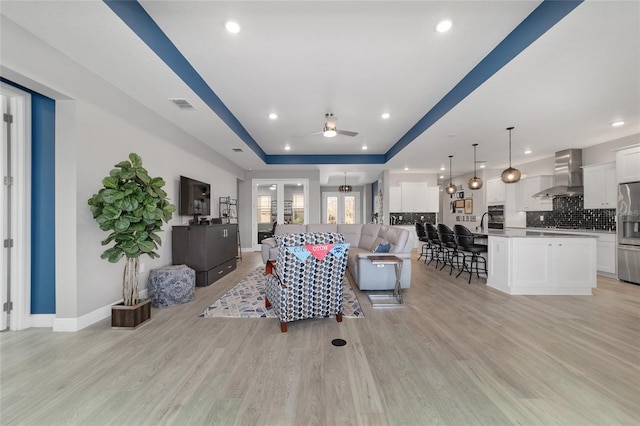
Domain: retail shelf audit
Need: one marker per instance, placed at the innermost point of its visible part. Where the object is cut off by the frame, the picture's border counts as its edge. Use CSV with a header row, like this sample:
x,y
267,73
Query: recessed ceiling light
x,y
528,151
617,123
232,27
406,168
273,116
364,147
442,168
441,176
482,166
385,115
287,148
443,26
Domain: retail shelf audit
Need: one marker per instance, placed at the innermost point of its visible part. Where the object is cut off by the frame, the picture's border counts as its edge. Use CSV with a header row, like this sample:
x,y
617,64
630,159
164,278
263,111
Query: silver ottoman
x,y
171,285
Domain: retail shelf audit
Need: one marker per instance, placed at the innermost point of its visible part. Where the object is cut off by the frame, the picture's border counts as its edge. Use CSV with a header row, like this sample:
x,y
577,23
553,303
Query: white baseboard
x,y
77,324
41,320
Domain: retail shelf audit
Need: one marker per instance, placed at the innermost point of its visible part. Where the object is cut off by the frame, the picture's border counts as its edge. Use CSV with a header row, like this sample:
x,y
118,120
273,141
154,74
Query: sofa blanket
x,y
362,239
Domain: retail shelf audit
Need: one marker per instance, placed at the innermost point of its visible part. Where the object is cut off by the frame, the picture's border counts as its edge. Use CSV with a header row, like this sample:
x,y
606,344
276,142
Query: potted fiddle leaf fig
x,y
132,207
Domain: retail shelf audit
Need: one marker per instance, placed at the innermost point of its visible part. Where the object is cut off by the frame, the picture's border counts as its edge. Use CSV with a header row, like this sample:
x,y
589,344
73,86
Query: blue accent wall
x,y
43,242
43,250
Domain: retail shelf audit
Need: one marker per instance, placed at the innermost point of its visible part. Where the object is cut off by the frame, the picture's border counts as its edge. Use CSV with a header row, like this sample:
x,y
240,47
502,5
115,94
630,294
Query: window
x,y
298,208
263,208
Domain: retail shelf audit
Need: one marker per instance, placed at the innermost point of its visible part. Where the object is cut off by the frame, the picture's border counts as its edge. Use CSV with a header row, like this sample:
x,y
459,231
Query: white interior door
x,y
5,271
341,207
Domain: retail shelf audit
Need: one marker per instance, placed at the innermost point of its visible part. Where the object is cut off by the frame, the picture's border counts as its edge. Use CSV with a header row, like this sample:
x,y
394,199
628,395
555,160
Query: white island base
x,y
542,264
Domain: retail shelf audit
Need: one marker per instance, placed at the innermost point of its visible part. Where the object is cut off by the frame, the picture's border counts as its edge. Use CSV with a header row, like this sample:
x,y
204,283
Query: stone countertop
x,y
526,233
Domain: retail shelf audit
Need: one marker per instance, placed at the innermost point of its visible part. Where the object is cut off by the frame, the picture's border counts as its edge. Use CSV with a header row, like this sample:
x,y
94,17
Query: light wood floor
x,y
456,354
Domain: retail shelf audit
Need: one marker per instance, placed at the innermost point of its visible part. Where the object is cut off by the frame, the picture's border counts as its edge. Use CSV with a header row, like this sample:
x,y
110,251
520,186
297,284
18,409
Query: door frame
x,y
341,195
280,183
19,104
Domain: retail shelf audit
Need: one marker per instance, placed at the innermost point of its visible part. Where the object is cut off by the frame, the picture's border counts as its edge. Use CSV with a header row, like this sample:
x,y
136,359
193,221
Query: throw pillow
x,y
382,248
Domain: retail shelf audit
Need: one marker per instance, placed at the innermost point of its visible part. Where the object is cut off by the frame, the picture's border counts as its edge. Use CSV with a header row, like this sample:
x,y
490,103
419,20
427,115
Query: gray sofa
x,y
362,240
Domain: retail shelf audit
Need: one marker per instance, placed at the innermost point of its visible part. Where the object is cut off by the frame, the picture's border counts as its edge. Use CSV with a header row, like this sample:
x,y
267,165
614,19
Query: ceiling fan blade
x,y
346,133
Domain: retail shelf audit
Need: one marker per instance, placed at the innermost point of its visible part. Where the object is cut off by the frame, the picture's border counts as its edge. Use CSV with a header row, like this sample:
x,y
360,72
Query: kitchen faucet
x,y
482,220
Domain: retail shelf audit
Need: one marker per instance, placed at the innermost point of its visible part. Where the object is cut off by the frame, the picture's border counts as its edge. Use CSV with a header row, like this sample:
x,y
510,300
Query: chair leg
x,y
283,327
267,304
339,317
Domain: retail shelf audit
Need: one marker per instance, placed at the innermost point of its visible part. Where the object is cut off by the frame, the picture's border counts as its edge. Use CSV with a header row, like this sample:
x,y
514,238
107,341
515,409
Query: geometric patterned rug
x,y
246,300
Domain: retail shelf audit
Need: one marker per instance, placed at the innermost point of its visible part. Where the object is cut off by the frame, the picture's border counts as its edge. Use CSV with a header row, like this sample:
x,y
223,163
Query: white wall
x,y
97,125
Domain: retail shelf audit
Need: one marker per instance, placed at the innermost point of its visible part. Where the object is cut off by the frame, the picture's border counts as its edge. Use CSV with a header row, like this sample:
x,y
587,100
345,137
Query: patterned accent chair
x,y
310,288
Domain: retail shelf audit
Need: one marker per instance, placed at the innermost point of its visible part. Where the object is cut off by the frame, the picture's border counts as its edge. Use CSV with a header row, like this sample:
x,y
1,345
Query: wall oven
x,y
496,217
629,232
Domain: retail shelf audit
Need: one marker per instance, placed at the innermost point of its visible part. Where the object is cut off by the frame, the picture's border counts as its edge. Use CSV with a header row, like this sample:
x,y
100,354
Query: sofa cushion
x,y
290,228
322,227
368,236
351,233
398,239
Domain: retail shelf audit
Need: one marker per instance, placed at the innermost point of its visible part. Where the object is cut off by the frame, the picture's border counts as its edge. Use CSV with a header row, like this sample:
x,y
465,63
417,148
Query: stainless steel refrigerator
x,y
629,232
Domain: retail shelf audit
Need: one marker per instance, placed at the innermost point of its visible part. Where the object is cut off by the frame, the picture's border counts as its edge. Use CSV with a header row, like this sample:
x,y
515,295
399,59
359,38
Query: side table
x,y
388,299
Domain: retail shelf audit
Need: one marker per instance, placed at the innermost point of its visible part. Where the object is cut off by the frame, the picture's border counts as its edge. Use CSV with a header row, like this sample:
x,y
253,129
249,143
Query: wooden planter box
x,y
130,317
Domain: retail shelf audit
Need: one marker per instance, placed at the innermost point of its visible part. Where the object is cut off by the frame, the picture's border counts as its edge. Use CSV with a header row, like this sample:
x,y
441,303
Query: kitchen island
x,y
539,263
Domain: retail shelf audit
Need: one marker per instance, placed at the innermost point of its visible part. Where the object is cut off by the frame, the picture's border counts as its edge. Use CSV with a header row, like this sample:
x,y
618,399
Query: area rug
x,y
246,300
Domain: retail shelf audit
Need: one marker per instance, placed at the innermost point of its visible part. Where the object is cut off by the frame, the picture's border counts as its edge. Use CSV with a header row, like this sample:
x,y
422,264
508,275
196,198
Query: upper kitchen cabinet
x,y
527,187
628,164
600,189
496,191
395,199
418,197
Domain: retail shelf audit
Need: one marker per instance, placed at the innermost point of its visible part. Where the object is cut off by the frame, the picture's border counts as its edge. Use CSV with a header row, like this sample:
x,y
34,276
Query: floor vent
x,y
182,103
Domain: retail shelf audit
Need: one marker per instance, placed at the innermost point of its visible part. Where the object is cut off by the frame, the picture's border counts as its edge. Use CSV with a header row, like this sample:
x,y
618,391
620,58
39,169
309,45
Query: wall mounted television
x,y
195,198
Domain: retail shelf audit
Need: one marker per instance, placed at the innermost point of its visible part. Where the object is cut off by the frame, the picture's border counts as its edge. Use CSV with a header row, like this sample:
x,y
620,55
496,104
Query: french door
x,y
340,207
278,201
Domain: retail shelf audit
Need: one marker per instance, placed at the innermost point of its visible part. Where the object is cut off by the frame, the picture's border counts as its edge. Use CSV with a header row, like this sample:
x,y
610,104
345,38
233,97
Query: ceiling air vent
x,y
182,103
237,149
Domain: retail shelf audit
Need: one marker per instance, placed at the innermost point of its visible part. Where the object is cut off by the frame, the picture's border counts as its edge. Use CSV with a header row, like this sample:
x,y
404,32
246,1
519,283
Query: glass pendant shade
x,y
451,188
510,175
345,187
475,182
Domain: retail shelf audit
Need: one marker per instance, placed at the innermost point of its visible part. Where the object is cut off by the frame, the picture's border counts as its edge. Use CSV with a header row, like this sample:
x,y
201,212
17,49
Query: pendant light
x,y
475,182
451,188
345,187
510,175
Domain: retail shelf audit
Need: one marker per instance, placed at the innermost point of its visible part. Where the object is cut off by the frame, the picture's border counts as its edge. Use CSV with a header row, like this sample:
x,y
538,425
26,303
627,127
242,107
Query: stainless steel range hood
x,y
568,176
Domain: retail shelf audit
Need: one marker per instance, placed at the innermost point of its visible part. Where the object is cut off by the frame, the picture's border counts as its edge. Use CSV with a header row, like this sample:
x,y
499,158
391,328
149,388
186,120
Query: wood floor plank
x,y
454,354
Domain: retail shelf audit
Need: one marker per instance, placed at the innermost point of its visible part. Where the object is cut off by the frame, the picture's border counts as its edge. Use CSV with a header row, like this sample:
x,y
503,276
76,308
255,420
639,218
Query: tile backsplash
x,y
411,218
568,212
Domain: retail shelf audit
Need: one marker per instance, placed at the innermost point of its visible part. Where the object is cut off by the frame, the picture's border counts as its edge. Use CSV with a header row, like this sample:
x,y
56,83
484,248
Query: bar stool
x,y
432,236
466,244
422,236
449,245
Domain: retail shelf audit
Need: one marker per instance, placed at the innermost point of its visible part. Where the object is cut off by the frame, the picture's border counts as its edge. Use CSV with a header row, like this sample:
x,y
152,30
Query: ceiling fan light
x,y
329,132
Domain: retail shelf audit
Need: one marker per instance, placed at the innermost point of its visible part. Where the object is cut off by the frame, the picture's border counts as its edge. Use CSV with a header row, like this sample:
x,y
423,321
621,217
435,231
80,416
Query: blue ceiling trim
x,y
134,15
545,16
326,159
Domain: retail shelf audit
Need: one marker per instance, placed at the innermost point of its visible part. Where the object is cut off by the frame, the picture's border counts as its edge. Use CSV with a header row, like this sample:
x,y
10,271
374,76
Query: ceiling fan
x,y
329,130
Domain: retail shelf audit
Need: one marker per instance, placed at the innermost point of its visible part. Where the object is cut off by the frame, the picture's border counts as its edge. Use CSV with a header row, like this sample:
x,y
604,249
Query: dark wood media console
x,y
210,250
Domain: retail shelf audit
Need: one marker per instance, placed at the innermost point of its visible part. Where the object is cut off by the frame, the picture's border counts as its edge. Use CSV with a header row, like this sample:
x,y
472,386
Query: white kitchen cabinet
x,y
628,164
512,217
496,191
395,199
542,265
600,188
525,202
606,253
418,197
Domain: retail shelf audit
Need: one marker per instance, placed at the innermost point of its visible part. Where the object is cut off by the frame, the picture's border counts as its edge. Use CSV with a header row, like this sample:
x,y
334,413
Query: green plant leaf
x,y
121,224
110,212
146,246
110,182
113,254
110,238
143,176
155,237
136,161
